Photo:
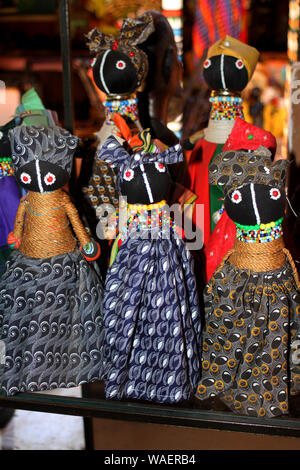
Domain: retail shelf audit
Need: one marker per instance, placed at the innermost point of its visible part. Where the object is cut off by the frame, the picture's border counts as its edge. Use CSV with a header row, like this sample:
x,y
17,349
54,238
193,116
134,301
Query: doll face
x,y
254,204
223,72
146,184
114,73
41,176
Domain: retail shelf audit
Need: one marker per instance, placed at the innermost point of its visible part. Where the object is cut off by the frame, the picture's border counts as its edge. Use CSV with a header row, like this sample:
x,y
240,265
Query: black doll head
x,y
119,66
253,185
146,184
114,73
229,65
142,177
255,204
42,156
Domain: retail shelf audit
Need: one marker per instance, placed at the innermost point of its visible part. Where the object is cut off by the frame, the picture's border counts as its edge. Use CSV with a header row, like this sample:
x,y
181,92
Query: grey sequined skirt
x,y
50,322
250,341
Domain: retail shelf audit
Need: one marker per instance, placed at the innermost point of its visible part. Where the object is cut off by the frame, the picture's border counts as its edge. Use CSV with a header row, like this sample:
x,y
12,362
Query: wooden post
x,y
64,15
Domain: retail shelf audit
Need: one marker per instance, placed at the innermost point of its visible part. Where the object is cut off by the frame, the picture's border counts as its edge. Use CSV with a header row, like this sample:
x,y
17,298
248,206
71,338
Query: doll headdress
x,y
233,169
50,144
132,33
249,137
235,48
113,153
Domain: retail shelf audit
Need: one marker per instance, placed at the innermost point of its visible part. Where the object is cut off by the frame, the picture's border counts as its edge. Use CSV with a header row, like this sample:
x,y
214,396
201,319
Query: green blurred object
x,y
32,111
36,6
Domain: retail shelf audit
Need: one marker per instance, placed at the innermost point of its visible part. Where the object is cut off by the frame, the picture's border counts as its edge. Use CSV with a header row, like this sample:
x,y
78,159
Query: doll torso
x,y
46,227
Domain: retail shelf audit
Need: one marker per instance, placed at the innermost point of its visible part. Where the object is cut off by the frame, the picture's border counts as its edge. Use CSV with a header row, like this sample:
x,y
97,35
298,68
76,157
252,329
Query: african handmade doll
x,y
252,302
228,68
30,111
119,68
51,290
151,309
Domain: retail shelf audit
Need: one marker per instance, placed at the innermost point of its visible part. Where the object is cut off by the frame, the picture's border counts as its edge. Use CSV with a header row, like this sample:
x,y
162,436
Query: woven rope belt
x,y
258,257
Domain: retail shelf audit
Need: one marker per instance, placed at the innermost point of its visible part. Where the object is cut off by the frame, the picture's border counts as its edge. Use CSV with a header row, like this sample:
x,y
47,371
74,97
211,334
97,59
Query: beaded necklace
x,y
143,217
127,107
6,168
225,108
262,233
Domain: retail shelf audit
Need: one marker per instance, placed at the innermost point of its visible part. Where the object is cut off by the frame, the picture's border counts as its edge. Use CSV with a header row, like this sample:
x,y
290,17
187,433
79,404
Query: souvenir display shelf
x,y
90,405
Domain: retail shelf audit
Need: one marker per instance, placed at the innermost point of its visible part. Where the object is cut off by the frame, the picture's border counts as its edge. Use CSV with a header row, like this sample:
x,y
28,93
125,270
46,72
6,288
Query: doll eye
x,y
275,194
25,178
239,64
207,63
160,167
236,197
49,179
128,175
121,65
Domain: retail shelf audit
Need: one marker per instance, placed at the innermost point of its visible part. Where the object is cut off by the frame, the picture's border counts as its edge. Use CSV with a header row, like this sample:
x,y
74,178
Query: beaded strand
x,y
6,168
128,107
226,108
262,233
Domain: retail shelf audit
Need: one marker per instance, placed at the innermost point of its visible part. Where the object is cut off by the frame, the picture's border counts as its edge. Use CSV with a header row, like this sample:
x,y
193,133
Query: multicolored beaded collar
x,y
6,167
126,107
226,108
262,233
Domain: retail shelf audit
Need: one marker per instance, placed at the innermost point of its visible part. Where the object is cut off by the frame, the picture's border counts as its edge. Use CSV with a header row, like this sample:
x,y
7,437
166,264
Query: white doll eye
x,y
236,196
160,167
25,178
207,63
239,64
49,179
275,194
121,65
128,175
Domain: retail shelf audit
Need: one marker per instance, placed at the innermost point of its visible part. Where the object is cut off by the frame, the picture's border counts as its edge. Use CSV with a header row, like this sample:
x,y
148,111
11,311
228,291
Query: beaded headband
x,y
133,32
52,144
233,169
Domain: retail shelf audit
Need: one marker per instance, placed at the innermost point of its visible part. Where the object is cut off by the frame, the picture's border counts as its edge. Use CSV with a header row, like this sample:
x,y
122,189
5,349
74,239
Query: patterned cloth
x,y
216,18
151,320
247,359
50,322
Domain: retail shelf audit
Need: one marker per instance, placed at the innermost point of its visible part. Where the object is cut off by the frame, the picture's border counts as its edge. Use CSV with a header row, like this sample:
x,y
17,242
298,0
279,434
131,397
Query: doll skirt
x,y
50,323
151,322
250,340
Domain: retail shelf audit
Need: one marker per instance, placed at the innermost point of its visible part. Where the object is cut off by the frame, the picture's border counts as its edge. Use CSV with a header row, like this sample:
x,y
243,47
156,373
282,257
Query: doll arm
x,y
14,238
89,248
